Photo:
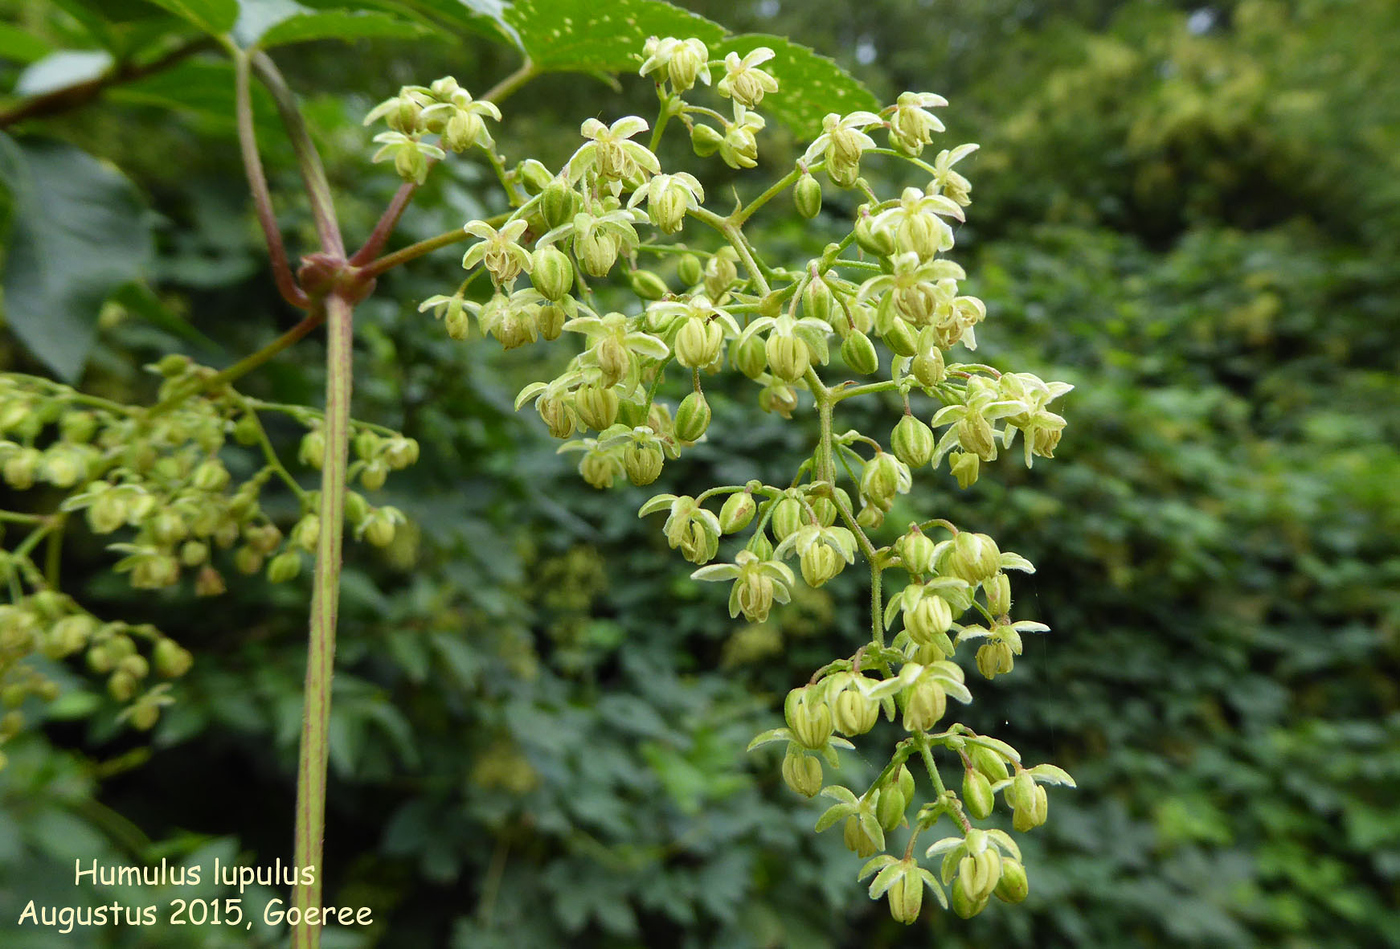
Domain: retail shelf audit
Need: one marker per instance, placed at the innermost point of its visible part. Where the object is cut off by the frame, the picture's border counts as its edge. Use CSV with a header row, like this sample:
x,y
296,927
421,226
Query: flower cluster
x,y
884,303
160,481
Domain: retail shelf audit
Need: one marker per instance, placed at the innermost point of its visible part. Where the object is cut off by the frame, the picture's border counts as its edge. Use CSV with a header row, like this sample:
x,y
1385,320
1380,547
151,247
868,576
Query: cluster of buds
x,y
51,624
157,479
887,300
443,109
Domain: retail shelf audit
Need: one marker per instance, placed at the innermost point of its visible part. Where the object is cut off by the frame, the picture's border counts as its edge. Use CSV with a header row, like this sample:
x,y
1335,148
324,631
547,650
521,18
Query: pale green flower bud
x,y
788,357
928,367
400,452
750,357
963,904
965,466
559,204
929,621
853,713
808,718
600,468
613,359
994,658
69,635
171,659
899,336
21,468
721,270
973,557
988,762
705,140
998,590
211,476
285,566
373,475
916,552
135,666
1014,885
596,406
247,560
924,704
642,463
820,563
882,477
689,270
552,273
859,353
693,417
817,300
889,809
906,893
976,435
381,527
1033,812
77,427
698,342
122,686
802,772
108,511
871,238
787,517
647,285
807,196
737,512
977,794
778,398
912,442
857,840
533,176
597,251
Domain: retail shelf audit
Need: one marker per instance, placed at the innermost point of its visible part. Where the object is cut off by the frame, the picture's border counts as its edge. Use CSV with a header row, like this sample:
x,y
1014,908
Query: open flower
x,y
680,61
668,197
911,125
743,81
610,154
498,250
757,584
409,153
841,143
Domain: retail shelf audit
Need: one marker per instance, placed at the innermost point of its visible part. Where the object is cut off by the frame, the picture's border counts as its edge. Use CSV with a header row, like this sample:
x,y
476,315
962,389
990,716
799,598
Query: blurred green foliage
x,y
539,721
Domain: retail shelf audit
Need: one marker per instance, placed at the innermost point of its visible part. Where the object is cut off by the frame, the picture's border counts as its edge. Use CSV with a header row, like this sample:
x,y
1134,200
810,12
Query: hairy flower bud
x,y
692,417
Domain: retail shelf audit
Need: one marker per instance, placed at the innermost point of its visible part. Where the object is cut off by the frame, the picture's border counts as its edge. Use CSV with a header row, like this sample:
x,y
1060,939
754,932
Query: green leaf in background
x,y
79,230
584,36
268,23
486,17
215,17
201,89
809,85
20,45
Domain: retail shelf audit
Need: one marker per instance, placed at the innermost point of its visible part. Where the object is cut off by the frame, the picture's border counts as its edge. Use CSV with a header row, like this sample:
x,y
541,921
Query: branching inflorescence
x,y
888,280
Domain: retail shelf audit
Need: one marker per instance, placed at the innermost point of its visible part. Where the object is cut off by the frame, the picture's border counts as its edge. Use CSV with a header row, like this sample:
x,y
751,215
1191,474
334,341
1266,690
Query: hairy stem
x,y
325,596
257,183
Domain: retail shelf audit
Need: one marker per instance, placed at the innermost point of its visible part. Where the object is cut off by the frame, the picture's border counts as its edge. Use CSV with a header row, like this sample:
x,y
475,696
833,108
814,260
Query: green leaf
x,y
584,35
340,25
268,23
809,85
215,17
487,17
79,230
21,46
202,89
